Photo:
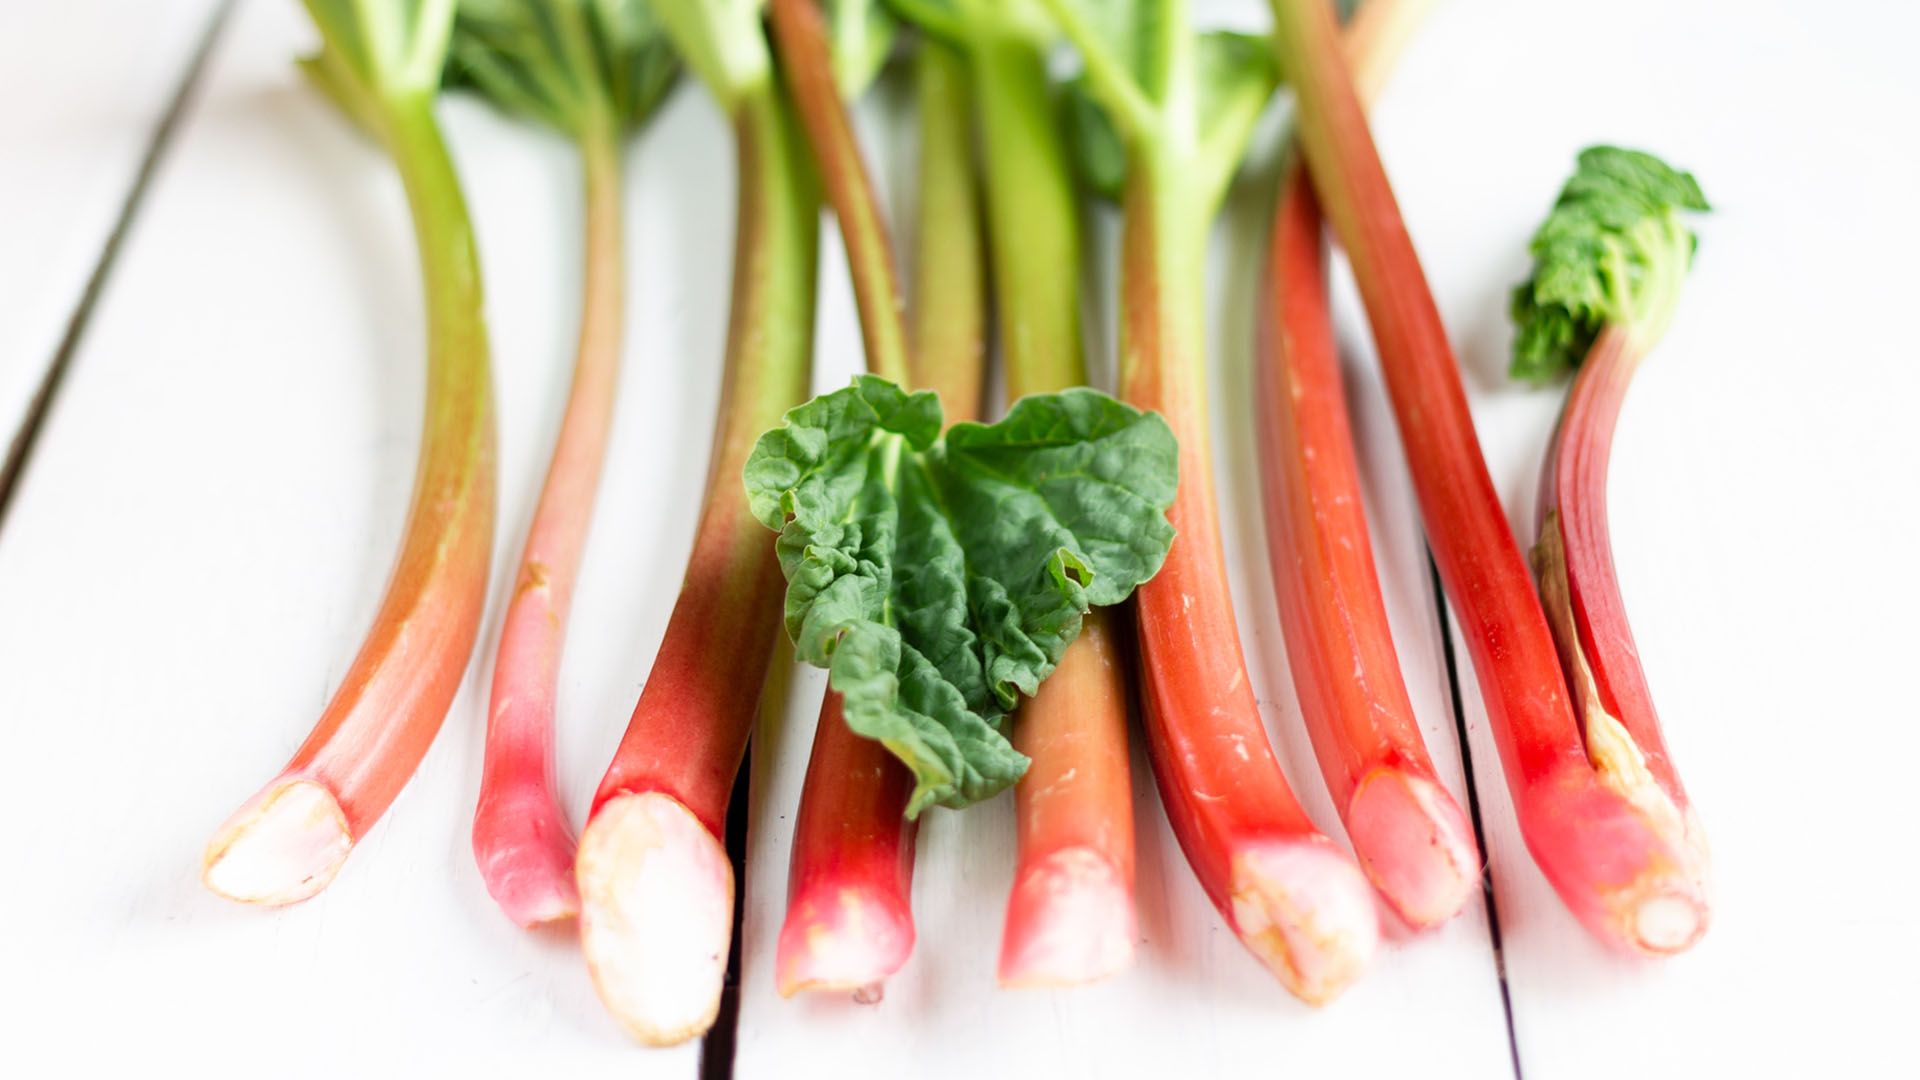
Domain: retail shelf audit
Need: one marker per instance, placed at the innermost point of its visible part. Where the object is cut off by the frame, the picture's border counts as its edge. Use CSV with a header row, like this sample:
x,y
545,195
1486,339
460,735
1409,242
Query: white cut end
x,y
1668,923
656,916
283,846
1070,920
1307,912
842,940
1415,845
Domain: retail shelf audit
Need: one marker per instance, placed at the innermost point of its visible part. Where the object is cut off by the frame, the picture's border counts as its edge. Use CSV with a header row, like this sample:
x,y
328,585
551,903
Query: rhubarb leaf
x,y
1613,250
1099,153
570,64
940,580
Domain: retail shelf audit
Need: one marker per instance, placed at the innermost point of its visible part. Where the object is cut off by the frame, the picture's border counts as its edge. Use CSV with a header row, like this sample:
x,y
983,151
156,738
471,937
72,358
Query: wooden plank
x,y
85,85
1762,497
203,537
1197,1004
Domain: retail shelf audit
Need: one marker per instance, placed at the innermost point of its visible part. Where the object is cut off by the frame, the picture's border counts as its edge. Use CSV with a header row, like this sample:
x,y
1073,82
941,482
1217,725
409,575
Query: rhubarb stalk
x,y
288,841
561,63
1631,878
656,887
1070,915
1608,266
1297,902
941,580
849,920
1409,833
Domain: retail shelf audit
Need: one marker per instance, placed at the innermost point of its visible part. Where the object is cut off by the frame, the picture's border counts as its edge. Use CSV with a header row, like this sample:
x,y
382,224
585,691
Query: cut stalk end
x,y
525,854
283,846
1414,844
1307,912
1636,881
842,939
1070,920
656,916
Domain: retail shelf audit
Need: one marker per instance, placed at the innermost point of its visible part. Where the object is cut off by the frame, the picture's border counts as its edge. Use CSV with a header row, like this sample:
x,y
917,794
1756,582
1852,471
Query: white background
x,y
208,515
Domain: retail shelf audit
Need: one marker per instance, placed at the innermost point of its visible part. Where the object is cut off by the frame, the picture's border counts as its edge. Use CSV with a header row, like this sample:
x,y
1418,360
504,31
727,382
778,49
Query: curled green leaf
x,y
939,580
1613,250
575,65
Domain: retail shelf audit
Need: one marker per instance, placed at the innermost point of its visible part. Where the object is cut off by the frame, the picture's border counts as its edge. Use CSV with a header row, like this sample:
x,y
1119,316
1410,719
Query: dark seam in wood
x,y
718,1046
1473,810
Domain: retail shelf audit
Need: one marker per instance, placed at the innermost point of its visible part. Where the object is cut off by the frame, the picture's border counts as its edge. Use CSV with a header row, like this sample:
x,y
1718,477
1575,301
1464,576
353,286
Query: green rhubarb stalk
x,y
382,63
949,317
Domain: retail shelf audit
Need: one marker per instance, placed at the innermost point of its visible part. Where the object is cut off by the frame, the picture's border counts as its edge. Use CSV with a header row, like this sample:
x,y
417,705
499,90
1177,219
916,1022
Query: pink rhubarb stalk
x,y
521,838
1625,874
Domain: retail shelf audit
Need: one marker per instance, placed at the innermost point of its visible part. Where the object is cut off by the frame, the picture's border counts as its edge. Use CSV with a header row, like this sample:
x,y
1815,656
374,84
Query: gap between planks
x,y
20,450
1473,808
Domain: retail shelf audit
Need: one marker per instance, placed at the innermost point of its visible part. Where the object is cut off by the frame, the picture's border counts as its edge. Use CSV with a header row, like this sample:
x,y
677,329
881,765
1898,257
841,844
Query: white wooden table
x,y
203,524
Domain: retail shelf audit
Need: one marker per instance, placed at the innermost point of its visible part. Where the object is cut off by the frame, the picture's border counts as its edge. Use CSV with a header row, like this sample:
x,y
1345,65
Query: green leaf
x,y
940,580
1099,153
575,65
1613,250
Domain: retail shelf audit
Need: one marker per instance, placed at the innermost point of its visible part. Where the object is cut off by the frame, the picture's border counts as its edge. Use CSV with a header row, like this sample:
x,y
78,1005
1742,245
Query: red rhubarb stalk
x,y
1297,902
800,38
1615,233
656,887
288,841
849,920
1410,835
1625,875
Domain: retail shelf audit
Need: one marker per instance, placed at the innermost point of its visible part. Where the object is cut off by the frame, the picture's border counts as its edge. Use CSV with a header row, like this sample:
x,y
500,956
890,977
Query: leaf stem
x,y
801,41
1033,216
949,269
